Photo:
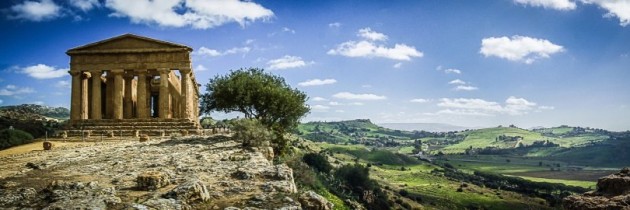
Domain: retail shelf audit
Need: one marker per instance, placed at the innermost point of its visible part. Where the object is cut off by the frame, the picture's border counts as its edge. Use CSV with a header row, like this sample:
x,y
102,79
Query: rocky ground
x,y
186,173
613,193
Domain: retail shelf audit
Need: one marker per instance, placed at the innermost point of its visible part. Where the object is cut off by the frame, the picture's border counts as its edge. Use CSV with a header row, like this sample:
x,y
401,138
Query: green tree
x,y
258,95
207,122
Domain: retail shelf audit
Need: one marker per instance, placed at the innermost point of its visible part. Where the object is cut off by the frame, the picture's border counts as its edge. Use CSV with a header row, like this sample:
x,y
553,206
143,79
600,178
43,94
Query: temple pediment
x,y
128,43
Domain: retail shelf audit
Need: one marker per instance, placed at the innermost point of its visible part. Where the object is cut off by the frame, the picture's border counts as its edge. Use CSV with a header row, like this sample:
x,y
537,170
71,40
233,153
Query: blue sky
x,y
470,63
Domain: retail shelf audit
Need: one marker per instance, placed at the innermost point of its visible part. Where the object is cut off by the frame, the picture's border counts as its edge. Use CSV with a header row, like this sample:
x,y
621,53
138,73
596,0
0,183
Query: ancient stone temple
x,y
131,85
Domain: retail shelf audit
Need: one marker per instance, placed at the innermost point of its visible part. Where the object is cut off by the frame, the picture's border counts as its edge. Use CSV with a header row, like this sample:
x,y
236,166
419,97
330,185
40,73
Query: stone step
x,y
128,133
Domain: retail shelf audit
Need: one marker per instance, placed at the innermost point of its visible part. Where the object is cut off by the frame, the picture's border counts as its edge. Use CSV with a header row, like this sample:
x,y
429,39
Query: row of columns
x,y
120,106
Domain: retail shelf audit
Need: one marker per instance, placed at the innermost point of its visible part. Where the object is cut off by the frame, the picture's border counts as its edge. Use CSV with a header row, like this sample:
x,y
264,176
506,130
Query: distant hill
x,y
431,127
34,111
32,118
357,131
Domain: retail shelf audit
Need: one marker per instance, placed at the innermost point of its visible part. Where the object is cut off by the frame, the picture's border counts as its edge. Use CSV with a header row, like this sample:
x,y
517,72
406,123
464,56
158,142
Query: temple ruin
x,y
130,85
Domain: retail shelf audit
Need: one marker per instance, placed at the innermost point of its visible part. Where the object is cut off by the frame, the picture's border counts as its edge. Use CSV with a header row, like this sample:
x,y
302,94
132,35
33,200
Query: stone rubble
x,y
184,173
613,193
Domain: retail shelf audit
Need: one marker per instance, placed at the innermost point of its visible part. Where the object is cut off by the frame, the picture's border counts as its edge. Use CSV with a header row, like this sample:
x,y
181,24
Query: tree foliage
x,y
13,137
318,162
252,133
258,95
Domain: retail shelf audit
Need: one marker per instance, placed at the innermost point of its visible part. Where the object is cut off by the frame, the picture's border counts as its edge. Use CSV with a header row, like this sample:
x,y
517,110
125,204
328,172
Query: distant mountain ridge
x,y
431,127
33,111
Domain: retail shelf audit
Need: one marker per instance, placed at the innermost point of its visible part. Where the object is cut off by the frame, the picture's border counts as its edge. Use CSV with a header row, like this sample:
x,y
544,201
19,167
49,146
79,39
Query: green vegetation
x,y
14,137
476,169
251,132
258,95
318,162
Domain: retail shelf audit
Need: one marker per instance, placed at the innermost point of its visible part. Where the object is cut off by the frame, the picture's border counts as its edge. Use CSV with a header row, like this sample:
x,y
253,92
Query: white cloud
x,y
334,25
1,101
368,34
353,96
397,65
457,82
317,82
36,10
62,84
518,48
518,106
12,90
287,62
549,4
369,48
546,107
320,108
319,99
201,68
473,106
285,29
334,103
85,5
37,102
615,8
200,14
465,87
419,100
41,71
204,51
454,71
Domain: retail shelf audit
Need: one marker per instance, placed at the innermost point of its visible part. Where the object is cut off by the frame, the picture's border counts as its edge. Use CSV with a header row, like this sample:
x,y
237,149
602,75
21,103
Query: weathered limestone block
x,y
87,134
267,152
48,145
110,134
311,200
184,132
144,138
152,180
190,191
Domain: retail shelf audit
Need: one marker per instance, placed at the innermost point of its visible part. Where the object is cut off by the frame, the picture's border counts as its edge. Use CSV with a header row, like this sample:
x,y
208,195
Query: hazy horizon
x,y
472,64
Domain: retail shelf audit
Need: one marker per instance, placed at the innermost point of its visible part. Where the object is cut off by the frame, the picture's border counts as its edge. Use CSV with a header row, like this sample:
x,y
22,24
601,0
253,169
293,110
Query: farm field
x,y
529,169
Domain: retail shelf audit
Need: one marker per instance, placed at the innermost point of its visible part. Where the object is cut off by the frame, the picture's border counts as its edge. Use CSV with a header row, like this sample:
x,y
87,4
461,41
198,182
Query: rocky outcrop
x,y
185,173
314,201
152,180
613,192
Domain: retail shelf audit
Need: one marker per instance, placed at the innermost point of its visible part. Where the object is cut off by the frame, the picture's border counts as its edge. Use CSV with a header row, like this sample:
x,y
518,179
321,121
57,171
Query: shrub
x,y
403,192
13,137
318,162
251,132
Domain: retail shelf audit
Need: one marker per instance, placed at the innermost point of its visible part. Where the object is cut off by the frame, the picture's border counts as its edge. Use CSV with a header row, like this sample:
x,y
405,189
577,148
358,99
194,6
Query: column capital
x,y
86,74
74,73
140,71
164,70
185,70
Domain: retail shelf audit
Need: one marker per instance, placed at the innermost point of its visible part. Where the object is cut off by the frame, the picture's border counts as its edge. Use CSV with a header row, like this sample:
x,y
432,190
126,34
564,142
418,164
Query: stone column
x,y
75,98
96,95
185,88
149,95
141,92
128,100
164,94
117,95
109,94
85,97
